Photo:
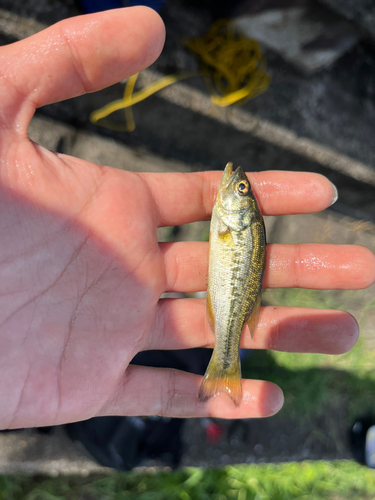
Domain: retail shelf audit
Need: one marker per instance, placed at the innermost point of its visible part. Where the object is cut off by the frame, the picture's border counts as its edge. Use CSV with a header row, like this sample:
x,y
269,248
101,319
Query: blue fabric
x,y
90,6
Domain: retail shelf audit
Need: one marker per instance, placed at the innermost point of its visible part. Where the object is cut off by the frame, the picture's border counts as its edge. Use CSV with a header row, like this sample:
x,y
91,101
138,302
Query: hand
x,y
81,271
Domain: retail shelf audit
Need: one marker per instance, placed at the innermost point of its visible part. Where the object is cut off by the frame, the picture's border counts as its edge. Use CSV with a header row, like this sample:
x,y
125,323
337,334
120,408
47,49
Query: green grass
x,y
342,480
313,383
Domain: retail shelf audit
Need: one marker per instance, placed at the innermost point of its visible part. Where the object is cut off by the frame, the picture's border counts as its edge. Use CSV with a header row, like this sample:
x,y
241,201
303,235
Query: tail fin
x,y
219,379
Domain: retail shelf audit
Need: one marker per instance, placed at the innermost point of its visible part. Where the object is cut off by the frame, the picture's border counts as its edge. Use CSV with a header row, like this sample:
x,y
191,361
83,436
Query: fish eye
x,y
243,187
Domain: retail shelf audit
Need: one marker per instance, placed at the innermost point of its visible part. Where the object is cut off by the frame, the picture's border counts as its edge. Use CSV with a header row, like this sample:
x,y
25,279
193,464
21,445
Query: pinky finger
x,y
173,393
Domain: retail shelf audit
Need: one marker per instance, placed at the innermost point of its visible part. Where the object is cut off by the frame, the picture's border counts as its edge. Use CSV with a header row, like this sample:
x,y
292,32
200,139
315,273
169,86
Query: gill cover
x,y
235,199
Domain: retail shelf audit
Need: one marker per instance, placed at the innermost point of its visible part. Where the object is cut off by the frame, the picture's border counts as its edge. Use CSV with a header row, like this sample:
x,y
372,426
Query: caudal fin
x,y
222,380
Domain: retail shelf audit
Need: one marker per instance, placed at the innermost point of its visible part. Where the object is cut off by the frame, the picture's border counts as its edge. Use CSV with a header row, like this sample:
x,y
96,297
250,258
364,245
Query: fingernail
x,y
277,401
335,194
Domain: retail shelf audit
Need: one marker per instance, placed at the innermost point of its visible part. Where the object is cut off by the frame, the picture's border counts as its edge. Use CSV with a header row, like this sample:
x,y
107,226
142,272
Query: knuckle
x,y
168,395
298,266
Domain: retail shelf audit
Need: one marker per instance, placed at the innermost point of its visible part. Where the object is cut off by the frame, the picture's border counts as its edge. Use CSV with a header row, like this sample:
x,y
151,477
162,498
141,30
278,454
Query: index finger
x,y
80,54
187,197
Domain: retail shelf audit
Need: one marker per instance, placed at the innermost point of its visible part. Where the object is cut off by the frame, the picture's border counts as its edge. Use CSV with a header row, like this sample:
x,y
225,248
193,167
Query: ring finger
x,y
182,324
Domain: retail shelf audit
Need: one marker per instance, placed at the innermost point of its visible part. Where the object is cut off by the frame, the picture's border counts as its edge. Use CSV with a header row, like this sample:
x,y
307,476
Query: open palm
x,y
81,271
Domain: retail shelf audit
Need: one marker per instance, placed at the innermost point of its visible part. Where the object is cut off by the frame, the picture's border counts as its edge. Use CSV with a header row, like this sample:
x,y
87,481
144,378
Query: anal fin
x,y
210,314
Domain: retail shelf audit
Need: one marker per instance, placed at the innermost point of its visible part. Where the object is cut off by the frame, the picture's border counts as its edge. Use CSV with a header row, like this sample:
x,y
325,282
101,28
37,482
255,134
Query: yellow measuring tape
x,y
232,66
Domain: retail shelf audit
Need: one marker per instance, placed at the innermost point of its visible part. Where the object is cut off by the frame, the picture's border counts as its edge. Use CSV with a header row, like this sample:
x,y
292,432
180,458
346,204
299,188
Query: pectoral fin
x,y
252,321
225,234
223,228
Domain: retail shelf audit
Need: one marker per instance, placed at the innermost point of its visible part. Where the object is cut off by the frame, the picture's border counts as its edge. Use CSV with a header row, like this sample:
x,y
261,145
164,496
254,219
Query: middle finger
x,y
307,265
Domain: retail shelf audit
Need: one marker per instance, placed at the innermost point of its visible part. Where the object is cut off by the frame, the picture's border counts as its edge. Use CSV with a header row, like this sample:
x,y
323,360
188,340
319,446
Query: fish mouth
x,y
228,172
230,177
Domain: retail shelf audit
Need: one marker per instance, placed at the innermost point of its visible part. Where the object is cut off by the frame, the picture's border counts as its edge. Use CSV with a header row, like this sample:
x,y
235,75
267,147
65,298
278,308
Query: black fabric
x,y
357,437
124,442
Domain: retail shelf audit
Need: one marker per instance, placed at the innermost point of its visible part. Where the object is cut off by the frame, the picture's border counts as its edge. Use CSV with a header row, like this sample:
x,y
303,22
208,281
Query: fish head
x,y
235,191
235,201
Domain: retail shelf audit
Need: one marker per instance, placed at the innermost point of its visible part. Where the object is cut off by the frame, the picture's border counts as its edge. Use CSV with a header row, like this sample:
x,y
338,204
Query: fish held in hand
x,y
236,268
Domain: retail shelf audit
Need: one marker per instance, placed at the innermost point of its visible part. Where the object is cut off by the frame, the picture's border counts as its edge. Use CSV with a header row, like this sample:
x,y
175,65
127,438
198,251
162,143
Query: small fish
x,y
236,268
